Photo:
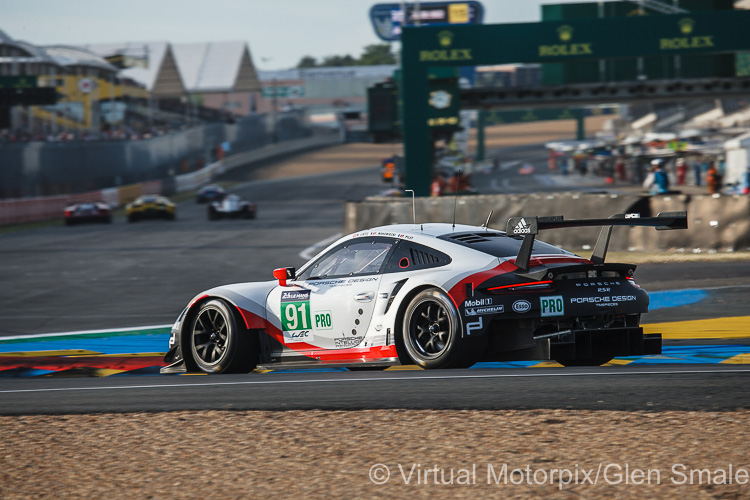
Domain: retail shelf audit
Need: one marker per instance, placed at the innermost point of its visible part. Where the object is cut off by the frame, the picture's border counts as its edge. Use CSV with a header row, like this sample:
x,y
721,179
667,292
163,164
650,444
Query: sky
x,y
278,32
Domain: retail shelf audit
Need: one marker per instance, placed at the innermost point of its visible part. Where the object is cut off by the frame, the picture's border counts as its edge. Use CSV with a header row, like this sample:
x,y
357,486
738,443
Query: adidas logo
x,y
522,227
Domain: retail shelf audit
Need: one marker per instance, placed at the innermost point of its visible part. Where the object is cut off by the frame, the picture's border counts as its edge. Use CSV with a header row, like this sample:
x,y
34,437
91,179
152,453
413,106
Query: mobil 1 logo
x,y
552,306
295,316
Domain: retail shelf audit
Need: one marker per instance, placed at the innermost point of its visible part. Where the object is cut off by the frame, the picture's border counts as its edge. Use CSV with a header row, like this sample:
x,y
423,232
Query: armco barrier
x,y
718,222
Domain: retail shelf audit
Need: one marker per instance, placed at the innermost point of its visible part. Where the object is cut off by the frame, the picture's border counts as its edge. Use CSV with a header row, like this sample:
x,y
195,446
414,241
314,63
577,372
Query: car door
x,y
330,304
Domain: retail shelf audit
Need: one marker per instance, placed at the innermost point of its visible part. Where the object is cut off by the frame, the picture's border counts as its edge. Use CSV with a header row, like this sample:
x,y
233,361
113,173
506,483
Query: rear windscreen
x,y
499,244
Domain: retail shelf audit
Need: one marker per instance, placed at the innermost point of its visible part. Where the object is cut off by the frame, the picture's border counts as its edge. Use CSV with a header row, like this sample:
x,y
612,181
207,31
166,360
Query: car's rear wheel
x,y
132,218
584,362
431,333
217,343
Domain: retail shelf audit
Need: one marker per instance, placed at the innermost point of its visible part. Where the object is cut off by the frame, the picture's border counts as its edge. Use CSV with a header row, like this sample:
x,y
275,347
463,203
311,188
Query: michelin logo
x,y
485,310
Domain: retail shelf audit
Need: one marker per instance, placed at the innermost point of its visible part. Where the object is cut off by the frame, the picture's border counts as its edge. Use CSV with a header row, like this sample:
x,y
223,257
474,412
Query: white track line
x,y
374,379
82,332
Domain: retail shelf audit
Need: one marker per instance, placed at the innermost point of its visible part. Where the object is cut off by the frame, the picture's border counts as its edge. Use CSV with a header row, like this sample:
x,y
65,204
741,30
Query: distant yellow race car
x,y
151,207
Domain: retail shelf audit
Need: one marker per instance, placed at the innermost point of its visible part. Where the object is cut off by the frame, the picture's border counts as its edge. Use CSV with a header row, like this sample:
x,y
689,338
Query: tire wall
x,y
719,223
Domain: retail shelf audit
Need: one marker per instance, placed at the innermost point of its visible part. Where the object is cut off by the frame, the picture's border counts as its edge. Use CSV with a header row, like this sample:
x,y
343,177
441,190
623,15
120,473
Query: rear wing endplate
x,y
529,227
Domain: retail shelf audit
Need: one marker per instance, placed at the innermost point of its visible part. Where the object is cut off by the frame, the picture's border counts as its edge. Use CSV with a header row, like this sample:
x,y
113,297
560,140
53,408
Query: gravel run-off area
x,y
332,454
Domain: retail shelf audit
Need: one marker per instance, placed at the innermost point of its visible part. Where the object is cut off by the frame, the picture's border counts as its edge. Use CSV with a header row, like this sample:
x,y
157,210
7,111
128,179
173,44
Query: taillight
x,y
632,282
533,286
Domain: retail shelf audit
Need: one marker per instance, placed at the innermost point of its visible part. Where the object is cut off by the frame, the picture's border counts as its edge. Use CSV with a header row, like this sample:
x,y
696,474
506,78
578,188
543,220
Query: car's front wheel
x,y
217,343
431,333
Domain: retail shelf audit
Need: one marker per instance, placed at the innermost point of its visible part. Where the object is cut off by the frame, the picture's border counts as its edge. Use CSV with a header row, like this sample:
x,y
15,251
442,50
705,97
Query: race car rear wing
x,y
529,227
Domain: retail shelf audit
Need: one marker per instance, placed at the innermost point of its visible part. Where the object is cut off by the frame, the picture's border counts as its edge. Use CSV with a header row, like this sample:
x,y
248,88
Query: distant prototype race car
x,y
88,212
151,207
231,206
210,193
435,295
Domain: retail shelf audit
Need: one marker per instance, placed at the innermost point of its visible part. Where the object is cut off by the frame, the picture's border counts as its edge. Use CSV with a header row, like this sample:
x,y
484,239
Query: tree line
x,y
372,55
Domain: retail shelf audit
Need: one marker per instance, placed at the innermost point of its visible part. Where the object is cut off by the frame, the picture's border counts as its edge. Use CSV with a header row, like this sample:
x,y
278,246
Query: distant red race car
x,y
88,212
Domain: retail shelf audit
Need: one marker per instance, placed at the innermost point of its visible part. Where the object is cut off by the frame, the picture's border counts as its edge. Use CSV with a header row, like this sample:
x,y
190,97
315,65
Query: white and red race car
x,y
232,206
435,295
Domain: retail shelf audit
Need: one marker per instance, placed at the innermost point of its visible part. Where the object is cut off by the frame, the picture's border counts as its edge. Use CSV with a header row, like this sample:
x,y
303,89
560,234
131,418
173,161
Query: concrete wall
x,y
715,222
50,168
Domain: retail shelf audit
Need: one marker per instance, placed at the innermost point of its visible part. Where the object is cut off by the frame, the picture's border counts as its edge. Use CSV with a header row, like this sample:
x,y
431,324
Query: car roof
x,y
428,230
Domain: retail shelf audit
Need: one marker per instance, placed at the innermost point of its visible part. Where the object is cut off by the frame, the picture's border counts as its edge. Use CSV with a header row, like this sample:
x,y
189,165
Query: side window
x,y
353,259
413,256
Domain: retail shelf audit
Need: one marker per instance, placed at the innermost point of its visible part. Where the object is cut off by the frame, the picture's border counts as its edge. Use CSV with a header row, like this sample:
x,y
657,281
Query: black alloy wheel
x,y
431,332
216,341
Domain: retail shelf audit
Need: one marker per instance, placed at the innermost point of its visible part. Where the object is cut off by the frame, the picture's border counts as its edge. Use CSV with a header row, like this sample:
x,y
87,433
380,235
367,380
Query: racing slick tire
x,y
217,342
213,214
431,333
132,218
584,362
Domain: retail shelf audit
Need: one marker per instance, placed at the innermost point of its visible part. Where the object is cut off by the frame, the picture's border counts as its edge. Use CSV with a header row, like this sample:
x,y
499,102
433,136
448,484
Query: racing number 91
x,y
296,316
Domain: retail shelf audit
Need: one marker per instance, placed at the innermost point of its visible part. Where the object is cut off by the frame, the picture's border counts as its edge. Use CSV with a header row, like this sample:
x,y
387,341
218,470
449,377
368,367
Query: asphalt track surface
x,y
60,278
611,388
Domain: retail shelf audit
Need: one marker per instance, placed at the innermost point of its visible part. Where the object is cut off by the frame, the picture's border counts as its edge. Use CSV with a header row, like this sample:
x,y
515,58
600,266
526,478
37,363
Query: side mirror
x,y
284,273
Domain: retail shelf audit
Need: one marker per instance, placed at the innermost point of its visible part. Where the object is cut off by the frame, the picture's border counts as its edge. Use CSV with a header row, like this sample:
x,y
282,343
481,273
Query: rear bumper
x,y
610,342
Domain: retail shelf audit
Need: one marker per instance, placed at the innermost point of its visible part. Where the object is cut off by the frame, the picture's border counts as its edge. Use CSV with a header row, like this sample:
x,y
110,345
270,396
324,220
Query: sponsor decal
x,y
522,227
522,306
478,302
445,39
565,33
484,310
470,327
599,284
440,99
552,306
347,342
295,316
323,320
686,26
298,336
605,301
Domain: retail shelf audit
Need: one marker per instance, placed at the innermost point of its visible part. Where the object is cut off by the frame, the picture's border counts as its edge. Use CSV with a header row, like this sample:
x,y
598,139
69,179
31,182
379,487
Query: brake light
x,y
522,287
632,282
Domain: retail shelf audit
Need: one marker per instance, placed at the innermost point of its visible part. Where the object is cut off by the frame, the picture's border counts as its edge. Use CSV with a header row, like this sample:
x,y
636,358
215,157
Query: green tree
x,y
377,54
307,62
346,60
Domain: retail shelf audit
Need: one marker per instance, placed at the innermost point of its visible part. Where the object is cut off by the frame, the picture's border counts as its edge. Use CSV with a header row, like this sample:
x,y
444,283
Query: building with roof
x,y
320,90
150,64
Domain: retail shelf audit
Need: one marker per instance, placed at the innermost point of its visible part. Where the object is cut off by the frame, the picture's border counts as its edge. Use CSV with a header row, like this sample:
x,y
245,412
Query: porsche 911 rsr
x,y
231,206
150,207
88,212
435,295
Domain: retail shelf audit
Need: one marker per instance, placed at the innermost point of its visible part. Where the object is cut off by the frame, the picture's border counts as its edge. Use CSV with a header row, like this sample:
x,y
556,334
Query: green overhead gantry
x,y
429,105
